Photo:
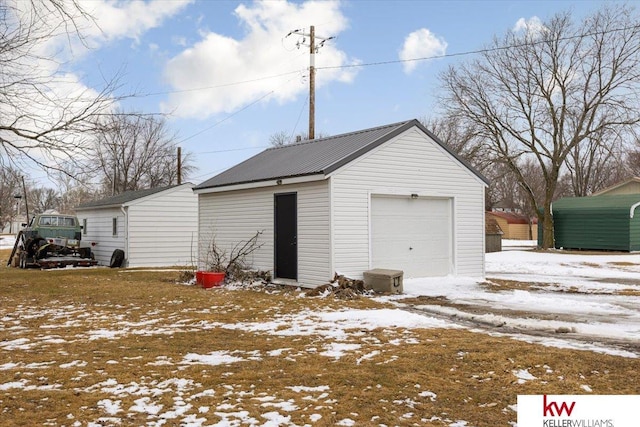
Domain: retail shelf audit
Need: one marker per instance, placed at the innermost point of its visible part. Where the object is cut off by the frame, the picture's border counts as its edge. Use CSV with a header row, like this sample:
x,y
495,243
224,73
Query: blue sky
x,y
229,77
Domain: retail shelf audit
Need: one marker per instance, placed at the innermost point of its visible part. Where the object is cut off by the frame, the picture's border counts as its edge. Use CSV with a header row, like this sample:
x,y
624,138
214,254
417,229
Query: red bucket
x,y
211,279
199,278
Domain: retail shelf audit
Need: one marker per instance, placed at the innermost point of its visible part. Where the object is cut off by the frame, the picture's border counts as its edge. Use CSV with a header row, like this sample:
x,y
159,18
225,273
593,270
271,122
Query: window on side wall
x,y
114,227
84,226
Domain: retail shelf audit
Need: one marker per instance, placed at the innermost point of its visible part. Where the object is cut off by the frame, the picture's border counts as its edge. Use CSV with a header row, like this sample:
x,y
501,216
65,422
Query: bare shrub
x,y
234,261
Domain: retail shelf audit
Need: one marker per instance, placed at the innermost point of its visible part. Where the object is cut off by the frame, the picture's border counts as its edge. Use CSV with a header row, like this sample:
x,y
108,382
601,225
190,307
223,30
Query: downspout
x,y
126,235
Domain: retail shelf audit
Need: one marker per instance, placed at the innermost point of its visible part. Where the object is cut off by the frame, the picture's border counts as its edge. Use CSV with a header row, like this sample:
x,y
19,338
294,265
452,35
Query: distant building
x,y
604,222
514,225
154,227
630,186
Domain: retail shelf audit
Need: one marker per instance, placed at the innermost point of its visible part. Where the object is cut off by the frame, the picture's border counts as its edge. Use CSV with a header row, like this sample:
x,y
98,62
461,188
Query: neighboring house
x,y
388,197
630,186
514,225
605,222
493,235
155,227
14,225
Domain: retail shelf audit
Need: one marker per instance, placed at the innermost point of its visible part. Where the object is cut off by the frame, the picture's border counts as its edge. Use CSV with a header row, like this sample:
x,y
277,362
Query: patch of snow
x,y
214,358
337,350
523,376
109,406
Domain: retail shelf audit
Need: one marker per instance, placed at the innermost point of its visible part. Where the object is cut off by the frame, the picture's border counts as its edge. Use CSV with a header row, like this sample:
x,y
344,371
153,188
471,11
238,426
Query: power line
x,y
257,79
475,52
226,118
313,49
298,121
231,149
396,61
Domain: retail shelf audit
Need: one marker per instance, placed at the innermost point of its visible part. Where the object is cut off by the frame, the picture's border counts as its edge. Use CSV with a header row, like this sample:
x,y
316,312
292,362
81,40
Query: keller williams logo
x,y
552,409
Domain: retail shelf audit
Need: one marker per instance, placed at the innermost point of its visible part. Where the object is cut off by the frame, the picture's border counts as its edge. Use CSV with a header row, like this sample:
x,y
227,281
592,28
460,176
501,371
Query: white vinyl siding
x,y
157,230
236,216
409,164
162,229
100,230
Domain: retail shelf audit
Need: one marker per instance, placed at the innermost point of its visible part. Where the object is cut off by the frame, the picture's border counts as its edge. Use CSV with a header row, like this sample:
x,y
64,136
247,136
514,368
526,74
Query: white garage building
x,y
153,227
388,197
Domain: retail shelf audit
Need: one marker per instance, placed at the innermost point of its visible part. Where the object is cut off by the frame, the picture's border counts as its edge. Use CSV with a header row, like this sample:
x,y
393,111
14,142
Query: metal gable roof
x,y
625,203
127,196
319,156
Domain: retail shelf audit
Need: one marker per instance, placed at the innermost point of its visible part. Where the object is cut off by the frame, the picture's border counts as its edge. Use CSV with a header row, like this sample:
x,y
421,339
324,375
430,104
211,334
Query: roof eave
x,y
272,182
86,208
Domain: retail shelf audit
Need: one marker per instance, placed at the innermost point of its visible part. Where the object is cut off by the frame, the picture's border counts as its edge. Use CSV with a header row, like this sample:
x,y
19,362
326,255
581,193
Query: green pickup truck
x,y
51,240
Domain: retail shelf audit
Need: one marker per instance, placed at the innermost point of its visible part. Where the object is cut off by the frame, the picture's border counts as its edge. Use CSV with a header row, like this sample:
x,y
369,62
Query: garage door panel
x,y
413,235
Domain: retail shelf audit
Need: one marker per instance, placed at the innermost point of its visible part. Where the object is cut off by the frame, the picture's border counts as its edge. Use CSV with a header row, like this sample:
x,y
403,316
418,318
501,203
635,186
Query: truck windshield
x,y
57,221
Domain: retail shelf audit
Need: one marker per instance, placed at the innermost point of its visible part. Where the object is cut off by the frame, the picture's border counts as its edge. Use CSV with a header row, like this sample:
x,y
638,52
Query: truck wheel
x,y
117,257
23,259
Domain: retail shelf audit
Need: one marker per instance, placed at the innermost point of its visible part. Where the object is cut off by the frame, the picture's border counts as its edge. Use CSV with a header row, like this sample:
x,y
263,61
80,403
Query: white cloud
x,y
129,19
532,25
263,51
421,43
58,92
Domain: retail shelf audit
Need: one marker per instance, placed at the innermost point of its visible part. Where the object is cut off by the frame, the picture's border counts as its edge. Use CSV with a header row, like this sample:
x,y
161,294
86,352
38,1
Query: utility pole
x,y
179,165
313,49
26,199
312,83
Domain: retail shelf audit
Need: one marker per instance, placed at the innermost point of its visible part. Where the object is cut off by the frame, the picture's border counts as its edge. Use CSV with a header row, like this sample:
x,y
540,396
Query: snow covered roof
x,y
318,156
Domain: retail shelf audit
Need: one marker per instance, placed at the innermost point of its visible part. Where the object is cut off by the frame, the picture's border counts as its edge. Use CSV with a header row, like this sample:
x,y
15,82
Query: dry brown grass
x,y
500,285
386,380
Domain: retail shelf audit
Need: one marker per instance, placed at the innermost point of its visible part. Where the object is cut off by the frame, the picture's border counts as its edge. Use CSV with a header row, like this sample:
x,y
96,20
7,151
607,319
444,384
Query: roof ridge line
x,y
342,135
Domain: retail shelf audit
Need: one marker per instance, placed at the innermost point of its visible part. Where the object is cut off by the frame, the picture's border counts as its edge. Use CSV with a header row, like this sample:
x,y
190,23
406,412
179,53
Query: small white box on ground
x,y
383,280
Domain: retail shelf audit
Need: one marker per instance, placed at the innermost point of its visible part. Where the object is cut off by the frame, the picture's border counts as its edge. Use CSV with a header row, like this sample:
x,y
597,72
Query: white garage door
x,y
412,235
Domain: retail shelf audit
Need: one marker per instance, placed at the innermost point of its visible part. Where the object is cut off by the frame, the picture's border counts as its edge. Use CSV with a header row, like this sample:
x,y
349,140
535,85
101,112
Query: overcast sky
x,y
231,74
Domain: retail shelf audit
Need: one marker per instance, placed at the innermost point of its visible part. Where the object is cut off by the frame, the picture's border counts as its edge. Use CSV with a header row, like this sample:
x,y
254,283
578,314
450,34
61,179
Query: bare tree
x,y
594,165
462,137
136,151
536,95
45,116
10,185
43,199
633,160
282,138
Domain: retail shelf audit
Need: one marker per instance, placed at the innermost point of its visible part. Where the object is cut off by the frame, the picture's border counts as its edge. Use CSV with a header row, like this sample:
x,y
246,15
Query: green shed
x,y
597,222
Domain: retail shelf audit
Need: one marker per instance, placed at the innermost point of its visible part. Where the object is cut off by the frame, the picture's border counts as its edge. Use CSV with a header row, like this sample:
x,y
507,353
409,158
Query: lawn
x,y
102,347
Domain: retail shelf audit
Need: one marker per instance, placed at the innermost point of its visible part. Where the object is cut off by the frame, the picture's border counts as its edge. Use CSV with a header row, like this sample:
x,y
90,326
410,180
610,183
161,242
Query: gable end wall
x,y
163,229
409,163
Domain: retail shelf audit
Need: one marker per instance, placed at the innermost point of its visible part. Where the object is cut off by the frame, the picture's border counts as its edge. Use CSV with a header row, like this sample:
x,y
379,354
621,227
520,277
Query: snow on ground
x,y
591,298
7,241
580,295
593,310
